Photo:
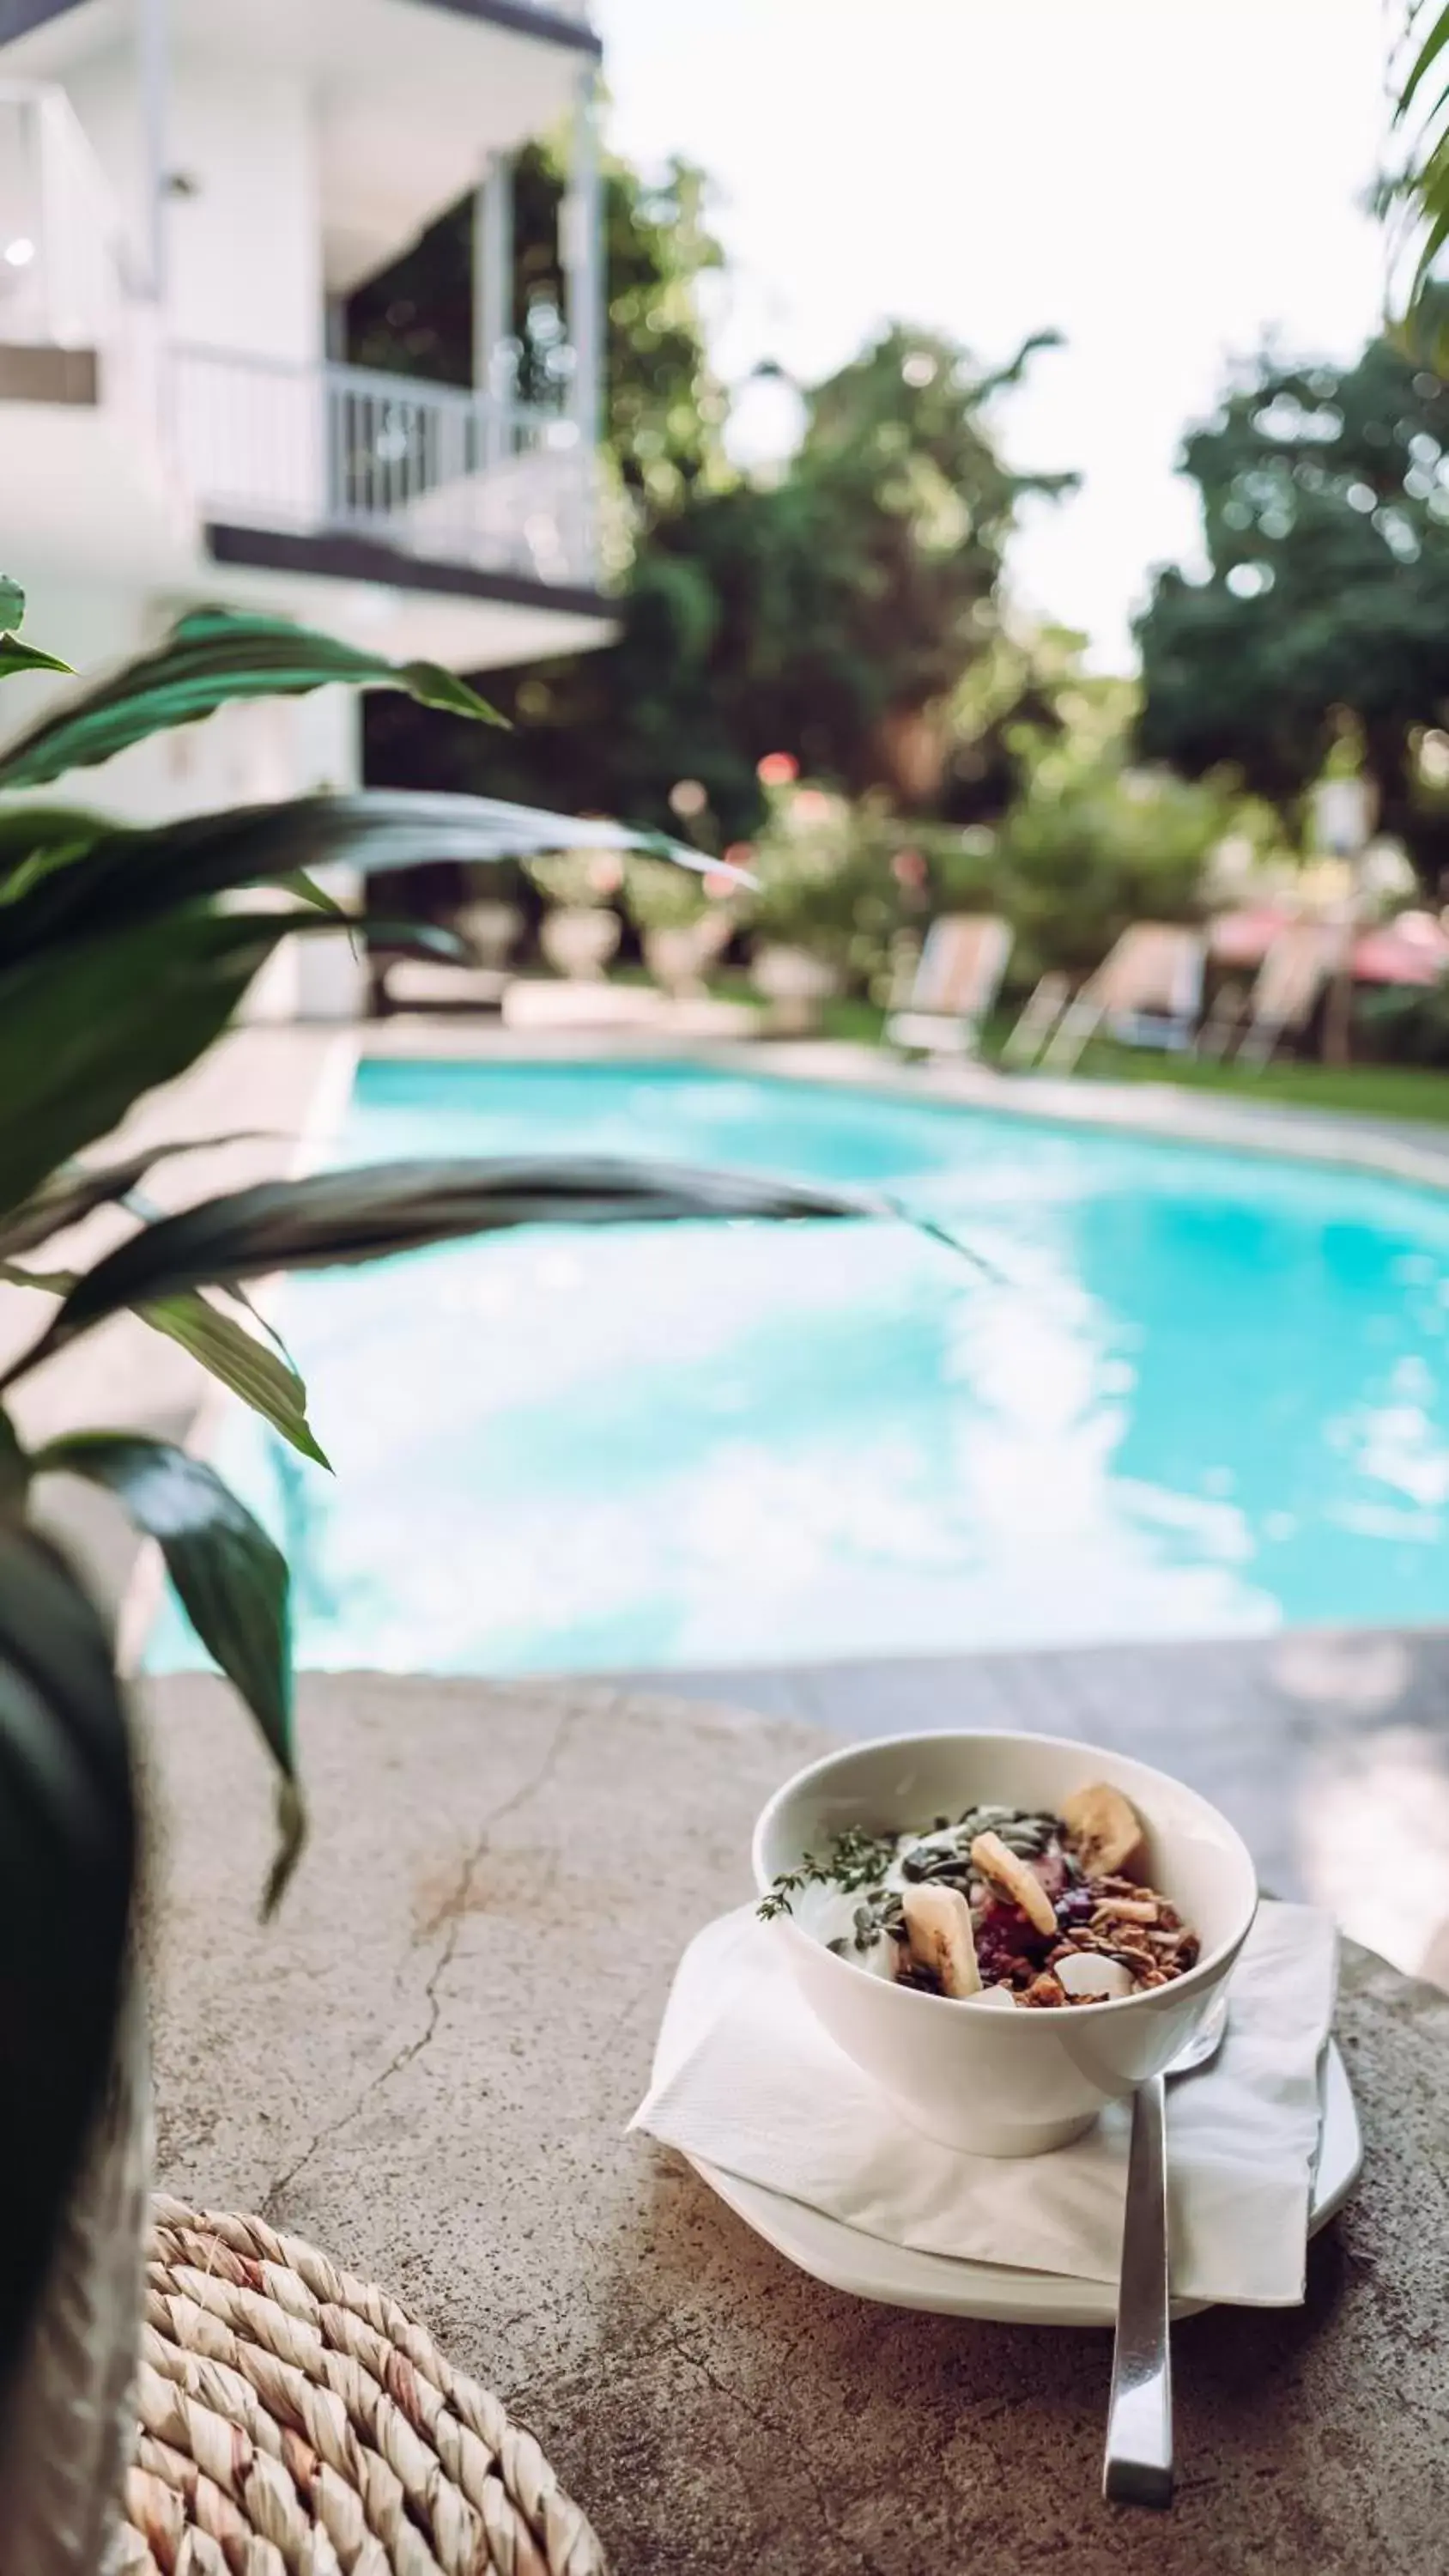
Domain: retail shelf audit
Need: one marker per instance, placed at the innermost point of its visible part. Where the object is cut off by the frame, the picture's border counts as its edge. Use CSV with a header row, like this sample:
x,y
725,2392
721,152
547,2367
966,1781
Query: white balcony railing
x,y
66,272
428,469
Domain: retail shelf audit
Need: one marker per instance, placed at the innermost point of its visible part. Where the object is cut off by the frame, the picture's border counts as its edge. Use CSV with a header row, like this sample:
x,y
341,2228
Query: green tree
x,y
1027,687
1325,504
902,507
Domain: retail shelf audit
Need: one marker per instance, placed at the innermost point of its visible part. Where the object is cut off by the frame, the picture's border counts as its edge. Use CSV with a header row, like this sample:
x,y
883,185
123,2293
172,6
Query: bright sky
x,y
1162,182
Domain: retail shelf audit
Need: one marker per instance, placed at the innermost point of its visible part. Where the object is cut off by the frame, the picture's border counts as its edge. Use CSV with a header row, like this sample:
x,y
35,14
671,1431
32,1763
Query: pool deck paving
x,y
426,2066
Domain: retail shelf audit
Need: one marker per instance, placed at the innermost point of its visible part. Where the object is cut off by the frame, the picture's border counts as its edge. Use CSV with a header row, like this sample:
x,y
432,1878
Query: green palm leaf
x,y
77,1193
67,1864
333,1218
124,877
209,658
229,1578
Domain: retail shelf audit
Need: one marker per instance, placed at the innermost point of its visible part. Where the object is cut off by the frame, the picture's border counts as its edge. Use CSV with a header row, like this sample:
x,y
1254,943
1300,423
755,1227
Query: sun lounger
x,y
1288,986
956,981
1146,992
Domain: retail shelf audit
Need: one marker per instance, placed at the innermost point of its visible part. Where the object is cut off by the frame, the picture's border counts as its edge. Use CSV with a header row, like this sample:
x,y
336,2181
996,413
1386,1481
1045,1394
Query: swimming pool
x,y
1184,1393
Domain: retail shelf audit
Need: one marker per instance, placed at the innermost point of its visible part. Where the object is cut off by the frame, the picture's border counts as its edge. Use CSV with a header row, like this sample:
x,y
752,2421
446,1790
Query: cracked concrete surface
x,y
426,2065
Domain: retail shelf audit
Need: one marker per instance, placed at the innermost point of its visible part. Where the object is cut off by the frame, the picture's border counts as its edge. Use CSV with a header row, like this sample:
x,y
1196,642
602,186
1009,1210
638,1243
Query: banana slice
x,y
1086,1972
938,1920
1015,1878
1105,1831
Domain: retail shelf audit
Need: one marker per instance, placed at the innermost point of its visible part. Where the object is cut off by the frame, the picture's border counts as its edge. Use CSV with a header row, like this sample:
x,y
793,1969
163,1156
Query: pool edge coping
x,y
1278,1130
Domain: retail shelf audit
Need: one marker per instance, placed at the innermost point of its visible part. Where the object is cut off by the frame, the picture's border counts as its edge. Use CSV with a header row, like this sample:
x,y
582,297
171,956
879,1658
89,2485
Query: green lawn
x,y
1373,1090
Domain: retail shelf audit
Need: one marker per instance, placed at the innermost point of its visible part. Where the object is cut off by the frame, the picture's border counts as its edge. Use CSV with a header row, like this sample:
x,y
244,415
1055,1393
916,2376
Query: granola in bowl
x,y
1001,1905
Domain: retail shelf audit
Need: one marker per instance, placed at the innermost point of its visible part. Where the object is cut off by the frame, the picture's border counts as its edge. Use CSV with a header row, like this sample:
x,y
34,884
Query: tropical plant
x,y
1417,195
123,954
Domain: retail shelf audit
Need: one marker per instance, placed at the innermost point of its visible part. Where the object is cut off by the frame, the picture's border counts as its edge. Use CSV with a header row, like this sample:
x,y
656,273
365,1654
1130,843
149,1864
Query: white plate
x,y
871,2269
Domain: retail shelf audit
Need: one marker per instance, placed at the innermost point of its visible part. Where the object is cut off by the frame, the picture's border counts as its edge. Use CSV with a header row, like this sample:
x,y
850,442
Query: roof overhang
x,y
412,96
543,24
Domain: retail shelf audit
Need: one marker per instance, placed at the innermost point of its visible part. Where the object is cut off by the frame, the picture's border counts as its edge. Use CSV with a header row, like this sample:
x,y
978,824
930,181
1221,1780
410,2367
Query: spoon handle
x,y
1137,2468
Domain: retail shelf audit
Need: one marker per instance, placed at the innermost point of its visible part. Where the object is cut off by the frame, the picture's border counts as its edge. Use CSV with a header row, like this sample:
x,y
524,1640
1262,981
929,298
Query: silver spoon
x,y
1137,2467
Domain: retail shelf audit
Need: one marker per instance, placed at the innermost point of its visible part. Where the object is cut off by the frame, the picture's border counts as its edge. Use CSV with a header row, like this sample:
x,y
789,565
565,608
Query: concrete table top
x,y
426,2066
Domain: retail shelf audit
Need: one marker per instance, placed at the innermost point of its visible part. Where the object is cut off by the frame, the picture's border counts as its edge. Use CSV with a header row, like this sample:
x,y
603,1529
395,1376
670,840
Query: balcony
x,y
140,450
429,471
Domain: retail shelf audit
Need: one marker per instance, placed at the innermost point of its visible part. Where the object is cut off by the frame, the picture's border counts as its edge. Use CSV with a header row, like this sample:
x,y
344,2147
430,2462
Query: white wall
x,y
243,270
244,246
245,251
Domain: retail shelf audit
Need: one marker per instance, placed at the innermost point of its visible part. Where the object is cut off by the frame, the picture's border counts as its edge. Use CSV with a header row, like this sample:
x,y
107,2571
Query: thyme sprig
x,y
852,1860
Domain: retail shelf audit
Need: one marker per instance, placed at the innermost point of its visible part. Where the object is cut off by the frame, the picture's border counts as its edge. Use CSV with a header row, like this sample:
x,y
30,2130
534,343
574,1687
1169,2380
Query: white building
x,y
186,188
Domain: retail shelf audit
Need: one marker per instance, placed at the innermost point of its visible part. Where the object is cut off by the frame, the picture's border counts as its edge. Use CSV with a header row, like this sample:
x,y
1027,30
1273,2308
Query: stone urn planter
x,y
794,984
679,955
492,931
578,940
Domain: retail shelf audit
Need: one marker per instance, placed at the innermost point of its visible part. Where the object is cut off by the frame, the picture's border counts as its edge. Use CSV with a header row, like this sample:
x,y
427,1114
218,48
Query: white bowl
x,y
993,2082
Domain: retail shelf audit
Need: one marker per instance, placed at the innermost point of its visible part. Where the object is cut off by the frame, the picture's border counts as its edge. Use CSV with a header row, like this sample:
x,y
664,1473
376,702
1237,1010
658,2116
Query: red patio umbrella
x,y
1244,938
1411,949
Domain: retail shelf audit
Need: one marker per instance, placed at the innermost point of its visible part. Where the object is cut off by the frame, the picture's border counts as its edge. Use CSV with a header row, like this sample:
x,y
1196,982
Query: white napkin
x,y
746,2079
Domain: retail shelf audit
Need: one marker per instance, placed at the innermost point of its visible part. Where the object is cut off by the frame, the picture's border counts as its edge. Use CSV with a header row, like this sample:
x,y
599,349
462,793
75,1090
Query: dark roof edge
x,y
338,557
519,15
21,17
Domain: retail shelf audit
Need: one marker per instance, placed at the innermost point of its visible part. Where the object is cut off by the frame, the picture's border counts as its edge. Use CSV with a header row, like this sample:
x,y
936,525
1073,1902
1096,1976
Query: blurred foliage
x,y
830,610
845,880
1325,613
1407,1024
658,896
1092,843
580,877
1026,683
1089,844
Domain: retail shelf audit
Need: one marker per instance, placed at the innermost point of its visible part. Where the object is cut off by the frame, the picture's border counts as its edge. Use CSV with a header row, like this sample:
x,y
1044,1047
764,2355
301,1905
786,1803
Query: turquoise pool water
x,y
1191,1394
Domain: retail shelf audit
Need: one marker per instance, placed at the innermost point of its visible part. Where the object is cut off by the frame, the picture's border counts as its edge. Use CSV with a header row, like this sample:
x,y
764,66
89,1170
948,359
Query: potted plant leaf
x,y
124,953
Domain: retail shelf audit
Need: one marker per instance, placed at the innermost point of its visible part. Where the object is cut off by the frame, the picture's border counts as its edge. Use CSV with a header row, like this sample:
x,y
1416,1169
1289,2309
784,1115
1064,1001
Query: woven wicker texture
x,y
297,2422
